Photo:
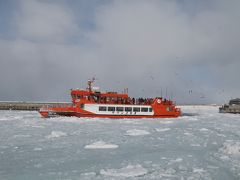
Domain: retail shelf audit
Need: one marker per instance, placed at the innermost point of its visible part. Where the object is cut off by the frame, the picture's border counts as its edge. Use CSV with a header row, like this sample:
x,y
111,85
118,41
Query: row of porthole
x,y
126,109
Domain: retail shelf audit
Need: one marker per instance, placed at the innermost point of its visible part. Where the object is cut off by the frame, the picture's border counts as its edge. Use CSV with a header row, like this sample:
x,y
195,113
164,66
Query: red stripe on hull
x,y
124,116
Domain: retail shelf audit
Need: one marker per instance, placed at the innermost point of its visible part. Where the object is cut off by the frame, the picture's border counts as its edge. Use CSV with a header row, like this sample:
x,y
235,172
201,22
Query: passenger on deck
x,y
133,100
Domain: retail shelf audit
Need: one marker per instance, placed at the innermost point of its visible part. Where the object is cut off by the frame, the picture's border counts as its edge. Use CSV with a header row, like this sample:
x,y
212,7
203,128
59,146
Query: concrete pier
x,y
29,106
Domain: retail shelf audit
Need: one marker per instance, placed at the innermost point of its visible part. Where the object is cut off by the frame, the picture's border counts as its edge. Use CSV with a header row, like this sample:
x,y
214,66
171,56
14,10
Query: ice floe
x,y
162,129
22,136
37,165
87,175
128,171
178,160
101,145
231,148
198,170
4,119
195,145
166,122
136,132
37,149
56,134
187,133
203,129
37,126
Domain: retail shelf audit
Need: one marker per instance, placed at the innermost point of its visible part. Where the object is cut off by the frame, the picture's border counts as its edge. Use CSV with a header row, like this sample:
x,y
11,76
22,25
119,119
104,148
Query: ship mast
x,y
90,81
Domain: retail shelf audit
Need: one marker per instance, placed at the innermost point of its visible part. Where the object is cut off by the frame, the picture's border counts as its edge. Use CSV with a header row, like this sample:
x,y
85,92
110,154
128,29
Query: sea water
x,y
203,144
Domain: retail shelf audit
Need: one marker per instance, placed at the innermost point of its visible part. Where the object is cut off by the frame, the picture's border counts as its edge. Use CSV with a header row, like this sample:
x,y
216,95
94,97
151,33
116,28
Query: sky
x,y
185,50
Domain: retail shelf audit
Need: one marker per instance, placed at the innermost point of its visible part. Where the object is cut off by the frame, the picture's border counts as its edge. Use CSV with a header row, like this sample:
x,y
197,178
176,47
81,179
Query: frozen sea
x,y
203,144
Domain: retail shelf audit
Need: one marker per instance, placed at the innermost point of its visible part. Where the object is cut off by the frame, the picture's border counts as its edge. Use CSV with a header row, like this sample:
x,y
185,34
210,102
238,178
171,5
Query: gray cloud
x,y
143,45
44,22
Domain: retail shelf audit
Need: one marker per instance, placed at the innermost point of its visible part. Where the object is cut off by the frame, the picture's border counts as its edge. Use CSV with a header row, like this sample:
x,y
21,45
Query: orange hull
x,y
47,115
44,114
154,111
125,116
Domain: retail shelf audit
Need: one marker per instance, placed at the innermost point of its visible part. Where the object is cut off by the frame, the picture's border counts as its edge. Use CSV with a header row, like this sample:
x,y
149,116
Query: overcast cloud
x,y
189,48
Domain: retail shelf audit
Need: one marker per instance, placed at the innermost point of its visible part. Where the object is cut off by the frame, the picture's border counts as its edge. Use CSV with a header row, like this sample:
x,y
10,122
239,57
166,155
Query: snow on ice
x,y
101,145
129,171
136,132
56,134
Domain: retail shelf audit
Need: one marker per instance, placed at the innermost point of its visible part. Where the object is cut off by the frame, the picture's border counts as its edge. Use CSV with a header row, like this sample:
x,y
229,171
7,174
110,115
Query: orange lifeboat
x,y
93,103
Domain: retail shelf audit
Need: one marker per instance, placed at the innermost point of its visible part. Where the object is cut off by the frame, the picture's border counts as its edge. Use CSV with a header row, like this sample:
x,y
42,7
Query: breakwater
x,y
29,106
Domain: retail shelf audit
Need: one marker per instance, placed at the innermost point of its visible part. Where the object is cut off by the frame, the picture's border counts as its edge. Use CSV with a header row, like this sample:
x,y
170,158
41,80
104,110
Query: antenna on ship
x,y
161,92
166,92
90,81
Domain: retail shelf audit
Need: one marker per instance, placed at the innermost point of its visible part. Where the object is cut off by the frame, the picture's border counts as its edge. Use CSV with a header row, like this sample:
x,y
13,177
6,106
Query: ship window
x,y
136,109
128,109
102,108
82,106
119,108
144,109
150,109
111,108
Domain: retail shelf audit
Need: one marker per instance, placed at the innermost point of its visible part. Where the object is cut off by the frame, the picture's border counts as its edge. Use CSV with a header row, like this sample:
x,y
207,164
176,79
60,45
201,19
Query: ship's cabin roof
x,y
83,93
234,101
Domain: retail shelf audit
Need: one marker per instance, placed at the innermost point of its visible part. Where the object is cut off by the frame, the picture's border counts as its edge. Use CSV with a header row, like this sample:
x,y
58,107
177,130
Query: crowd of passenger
x,y
133,101
120,100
